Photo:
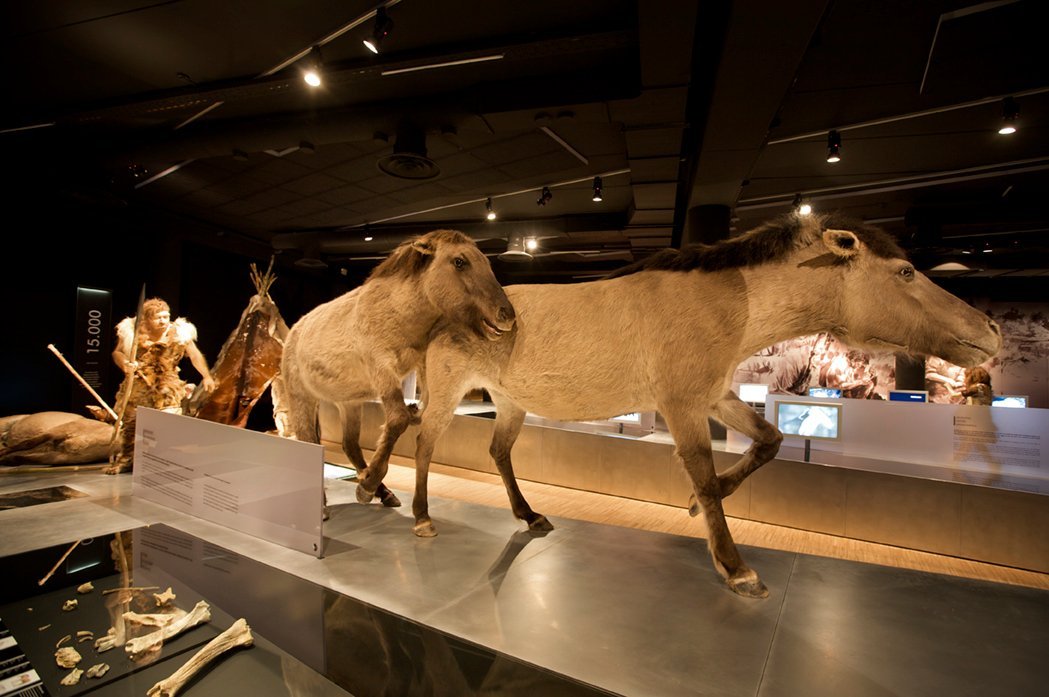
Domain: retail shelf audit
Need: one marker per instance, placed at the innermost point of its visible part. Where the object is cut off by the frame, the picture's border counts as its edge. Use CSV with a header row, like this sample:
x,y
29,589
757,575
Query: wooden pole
x,y
83,382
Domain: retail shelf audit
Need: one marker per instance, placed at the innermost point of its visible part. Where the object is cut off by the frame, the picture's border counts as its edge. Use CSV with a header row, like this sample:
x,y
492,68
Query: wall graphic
x,y
1022,367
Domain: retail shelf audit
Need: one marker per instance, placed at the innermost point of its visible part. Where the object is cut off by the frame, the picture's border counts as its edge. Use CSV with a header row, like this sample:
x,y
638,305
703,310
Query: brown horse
x,y
666,334
362,344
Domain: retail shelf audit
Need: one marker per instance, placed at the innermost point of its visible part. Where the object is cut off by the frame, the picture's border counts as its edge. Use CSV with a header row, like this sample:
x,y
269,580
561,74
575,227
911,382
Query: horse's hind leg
x,y
739,417
508,422
436,418
692,435
350,413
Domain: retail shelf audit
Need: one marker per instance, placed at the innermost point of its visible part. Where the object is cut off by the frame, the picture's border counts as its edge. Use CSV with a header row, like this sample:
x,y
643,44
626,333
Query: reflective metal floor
x,y
628,611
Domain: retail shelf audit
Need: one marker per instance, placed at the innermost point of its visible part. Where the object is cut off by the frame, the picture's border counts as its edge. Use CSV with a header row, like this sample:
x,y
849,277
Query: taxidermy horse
x,y
362,344
666,334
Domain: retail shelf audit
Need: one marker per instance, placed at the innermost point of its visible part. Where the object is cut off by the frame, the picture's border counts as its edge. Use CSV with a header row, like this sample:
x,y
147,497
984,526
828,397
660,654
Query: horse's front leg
x,y
350,414
508,421
735,414
692,435
398,418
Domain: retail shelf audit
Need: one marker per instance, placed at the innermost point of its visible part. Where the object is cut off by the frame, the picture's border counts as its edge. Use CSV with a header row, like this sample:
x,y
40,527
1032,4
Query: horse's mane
x,y
765,243
408,261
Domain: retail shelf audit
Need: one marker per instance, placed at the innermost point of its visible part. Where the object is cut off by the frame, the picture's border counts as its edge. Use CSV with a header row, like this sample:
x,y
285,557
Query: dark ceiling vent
x,y
408,159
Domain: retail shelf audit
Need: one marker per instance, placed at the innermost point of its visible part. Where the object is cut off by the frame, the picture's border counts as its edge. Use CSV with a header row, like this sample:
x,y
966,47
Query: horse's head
x,y
457,279
886,304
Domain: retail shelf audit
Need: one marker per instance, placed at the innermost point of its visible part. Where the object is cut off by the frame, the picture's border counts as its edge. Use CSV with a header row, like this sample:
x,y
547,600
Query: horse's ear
x,y
843,243
423,247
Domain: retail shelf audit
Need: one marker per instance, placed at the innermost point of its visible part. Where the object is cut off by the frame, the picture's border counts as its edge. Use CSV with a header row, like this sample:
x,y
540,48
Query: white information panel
x,y
263,485
1007,445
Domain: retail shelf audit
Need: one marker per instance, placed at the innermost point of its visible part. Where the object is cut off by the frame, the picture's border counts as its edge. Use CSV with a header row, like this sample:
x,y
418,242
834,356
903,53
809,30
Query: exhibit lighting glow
x,y
804,209
312,72
381,29
833,147
800,206
531,244
597,189
491,211
368,239
1010,113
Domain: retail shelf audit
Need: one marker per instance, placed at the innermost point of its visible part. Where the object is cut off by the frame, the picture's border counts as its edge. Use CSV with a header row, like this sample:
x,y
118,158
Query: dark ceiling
x,y
688,111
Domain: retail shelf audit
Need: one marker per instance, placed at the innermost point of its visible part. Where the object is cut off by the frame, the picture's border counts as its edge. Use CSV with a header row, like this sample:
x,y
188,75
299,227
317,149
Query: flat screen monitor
x,y
1015,401
753,393
808,420
831,392
908,395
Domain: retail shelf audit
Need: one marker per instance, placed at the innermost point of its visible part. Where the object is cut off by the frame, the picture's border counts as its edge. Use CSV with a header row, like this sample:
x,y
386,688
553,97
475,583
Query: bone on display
x,y
239,634
73,678
200,613
67,657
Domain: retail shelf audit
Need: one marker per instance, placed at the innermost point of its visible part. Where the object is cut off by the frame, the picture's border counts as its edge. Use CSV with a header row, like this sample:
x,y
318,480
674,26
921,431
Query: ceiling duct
x,y
408,159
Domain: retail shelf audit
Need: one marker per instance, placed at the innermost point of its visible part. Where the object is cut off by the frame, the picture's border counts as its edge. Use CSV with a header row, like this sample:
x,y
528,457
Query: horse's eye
x,y
907,273
459,262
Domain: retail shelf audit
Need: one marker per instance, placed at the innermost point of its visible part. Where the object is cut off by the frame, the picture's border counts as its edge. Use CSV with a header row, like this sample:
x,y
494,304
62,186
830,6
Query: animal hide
x,y
248,361
53,438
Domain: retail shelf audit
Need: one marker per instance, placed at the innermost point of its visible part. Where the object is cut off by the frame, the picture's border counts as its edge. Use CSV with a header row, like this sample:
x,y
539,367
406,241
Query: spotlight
x,y
597,189
312,72
382,28
1010,113
517,248
800,206
833,146
488,206
544,196
531,244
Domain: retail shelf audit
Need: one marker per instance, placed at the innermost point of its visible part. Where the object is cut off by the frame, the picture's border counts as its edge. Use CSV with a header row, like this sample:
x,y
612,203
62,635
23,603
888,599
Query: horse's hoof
x,y
364,496
424,528
748,585
693,506
540,524
390,500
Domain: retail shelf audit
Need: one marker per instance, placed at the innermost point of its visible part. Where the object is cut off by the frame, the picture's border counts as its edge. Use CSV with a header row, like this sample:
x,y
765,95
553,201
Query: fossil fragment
x,y
70,605
97,670
107,642
85,588
63,640
239,634
73,678
164,598
67,657
200,613
83,636
40,629
154,619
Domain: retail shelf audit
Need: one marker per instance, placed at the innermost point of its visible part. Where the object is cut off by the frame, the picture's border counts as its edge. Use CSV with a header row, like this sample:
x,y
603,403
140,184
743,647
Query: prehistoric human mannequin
x,y
151,371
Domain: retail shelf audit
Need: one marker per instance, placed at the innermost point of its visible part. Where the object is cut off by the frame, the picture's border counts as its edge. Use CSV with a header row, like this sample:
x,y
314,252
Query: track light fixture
x,y
1010,113
531,244
491,211
833,146
597,189
800,206
312,72
544,196
382,28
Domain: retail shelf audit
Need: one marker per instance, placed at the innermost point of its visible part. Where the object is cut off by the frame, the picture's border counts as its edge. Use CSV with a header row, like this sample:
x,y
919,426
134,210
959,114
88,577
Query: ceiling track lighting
x,y
380,30
488,206
312,72
1010,113
544,196
833,146
598,196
